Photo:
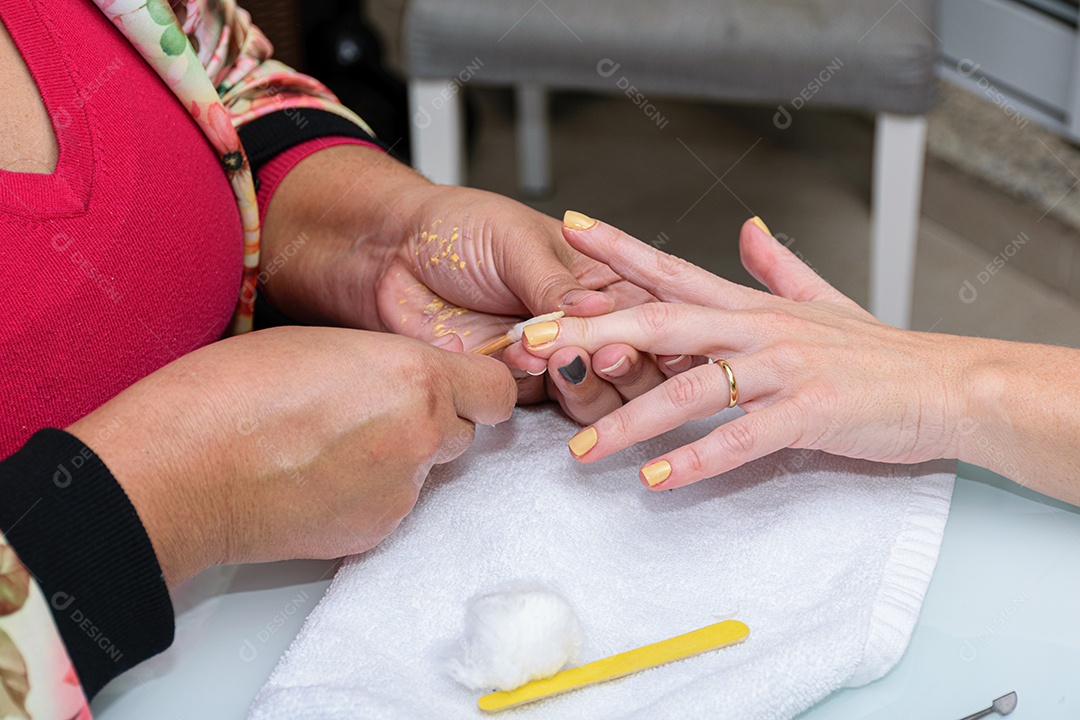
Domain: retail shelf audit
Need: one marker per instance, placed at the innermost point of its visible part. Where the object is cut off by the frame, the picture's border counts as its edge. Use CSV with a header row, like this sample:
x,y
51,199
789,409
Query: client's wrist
x,y
976,385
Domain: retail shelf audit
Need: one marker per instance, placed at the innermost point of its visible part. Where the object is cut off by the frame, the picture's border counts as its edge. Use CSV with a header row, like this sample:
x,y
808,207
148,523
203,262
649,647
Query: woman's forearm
x,y
1022,414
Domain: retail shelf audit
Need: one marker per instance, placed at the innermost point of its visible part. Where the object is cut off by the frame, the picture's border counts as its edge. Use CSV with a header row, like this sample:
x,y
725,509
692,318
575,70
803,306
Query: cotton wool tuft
x,y
514,634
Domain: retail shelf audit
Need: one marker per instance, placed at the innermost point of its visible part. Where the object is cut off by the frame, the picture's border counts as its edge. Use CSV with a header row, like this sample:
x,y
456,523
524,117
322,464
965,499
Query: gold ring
x,y
733,387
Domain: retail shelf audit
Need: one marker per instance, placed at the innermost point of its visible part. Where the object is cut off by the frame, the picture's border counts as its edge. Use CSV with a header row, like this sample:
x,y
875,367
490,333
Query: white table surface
x,y
1001,614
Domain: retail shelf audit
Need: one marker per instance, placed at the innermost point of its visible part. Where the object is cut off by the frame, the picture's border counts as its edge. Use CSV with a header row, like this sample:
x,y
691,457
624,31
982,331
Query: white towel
x,y
826,559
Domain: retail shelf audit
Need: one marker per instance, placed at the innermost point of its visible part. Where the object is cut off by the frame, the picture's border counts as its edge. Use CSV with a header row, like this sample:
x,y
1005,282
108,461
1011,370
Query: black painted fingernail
x,y
574,373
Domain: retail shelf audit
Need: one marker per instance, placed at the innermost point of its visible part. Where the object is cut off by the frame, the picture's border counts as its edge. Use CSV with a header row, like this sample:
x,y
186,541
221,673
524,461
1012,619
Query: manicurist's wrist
x,y
76,530
164,497
332,227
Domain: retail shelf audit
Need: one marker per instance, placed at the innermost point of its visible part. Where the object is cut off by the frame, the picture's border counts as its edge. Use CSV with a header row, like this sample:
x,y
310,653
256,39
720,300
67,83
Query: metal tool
x,y
1003,706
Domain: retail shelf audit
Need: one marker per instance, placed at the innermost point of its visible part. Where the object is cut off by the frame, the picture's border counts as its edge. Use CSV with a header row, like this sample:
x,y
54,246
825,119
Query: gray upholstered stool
x,y
873,55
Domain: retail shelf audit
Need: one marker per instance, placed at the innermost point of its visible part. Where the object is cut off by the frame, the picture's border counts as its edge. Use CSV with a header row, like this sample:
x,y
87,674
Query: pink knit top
x,y
129,255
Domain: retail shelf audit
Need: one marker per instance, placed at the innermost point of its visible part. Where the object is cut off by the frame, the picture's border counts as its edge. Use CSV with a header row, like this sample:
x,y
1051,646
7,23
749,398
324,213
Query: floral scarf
x,y
218,65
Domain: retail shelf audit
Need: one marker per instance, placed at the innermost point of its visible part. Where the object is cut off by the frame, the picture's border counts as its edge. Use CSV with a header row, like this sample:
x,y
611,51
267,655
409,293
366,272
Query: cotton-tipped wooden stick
x,y
514,334
711,637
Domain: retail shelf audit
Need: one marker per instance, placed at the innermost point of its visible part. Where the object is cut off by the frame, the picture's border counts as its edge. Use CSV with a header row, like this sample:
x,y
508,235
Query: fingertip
x,y
614,361
574,220
485,390
655,473
674,364
760,225
585,240
508,396
540,336
571,365
583,443
518,356
755,248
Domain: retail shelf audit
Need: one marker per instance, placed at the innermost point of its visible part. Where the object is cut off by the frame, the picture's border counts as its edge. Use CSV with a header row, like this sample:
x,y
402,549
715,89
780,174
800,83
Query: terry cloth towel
x,y
826,559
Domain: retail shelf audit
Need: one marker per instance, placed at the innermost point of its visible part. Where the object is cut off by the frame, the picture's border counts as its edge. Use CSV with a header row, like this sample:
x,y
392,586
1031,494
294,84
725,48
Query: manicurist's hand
x,y
384,249
292,442
812,369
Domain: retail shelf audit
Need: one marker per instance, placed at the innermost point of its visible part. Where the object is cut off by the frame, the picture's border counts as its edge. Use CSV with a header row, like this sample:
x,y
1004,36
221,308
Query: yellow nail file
x,y
711,637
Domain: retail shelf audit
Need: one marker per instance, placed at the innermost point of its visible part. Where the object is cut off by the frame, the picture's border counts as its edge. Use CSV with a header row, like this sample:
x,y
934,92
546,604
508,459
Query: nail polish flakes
x,y
432,250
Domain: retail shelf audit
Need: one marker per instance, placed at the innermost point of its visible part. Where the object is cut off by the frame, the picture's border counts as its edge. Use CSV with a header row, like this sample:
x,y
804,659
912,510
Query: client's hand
x,y
813,369
293,442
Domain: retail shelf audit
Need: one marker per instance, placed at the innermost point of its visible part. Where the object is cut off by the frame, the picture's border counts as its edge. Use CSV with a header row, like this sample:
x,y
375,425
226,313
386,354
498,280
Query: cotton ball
x,y
514,634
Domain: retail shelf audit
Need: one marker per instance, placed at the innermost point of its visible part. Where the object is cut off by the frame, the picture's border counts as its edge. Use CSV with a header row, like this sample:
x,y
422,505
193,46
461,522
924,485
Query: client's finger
x,y
692,395
735,443
630,372
583,395
669,278
778,269
674,364
659,328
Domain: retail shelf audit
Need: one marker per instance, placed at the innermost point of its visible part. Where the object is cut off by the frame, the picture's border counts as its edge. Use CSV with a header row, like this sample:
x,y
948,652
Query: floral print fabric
x,y
36,677
219,67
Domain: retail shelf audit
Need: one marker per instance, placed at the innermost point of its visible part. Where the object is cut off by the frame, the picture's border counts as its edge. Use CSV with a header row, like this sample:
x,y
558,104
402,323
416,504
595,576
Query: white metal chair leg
x,y
533,140
899,154
438,130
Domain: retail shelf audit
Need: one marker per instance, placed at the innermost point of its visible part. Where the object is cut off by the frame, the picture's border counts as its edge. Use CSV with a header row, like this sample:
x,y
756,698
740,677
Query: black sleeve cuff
x,y
74,528
267,137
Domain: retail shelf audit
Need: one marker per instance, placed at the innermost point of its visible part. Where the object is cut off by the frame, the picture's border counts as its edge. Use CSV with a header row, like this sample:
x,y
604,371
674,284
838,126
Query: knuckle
x,y
810,406
776,319
579,332
685,389
738,439
656,318
791,353
695,461
674,268
616,429
552,286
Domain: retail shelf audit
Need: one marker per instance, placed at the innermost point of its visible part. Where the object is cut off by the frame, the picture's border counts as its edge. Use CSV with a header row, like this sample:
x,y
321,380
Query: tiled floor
x,y
693,182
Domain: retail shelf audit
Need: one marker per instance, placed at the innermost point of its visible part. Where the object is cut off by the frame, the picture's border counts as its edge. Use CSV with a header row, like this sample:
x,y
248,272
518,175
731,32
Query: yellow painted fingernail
x,y
656,473
577,221
583,442
761,224
541,333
